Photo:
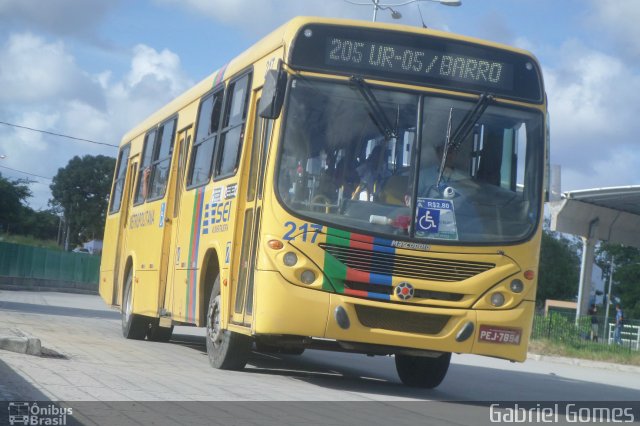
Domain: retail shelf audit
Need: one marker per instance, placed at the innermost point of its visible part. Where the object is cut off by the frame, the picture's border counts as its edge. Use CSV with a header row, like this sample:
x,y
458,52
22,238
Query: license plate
x,y
509,336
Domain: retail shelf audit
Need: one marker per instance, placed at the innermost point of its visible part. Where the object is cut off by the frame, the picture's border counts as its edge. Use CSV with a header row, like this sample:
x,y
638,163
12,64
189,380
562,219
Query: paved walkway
x,y
100,365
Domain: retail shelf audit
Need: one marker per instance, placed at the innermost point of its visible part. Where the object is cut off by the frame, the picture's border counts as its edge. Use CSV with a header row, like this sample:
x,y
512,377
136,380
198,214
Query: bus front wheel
x,y
227,350
133,326
422,372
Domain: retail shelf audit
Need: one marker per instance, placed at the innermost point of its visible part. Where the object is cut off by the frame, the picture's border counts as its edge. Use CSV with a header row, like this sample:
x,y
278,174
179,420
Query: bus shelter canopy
x,y
606,214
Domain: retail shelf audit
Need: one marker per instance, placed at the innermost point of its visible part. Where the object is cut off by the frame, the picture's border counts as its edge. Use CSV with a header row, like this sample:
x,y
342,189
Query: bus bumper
x,y
286,309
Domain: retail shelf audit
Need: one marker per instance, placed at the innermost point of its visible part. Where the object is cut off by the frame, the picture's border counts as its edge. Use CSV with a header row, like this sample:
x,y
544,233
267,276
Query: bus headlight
x,y
497,299
290,259
308,276
516,286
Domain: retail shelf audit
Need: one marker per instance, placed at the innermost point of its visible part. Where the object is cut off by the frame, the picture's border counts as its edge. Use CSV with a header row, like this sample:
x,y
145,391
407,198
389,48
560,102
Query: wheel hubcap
x,y
213,323
127,305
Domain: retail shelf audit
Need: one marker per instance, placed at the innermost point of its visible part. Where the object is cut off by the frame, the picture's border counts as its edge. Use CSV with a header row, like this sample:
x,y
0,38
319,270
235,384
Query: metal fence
x,y
22,261
562,327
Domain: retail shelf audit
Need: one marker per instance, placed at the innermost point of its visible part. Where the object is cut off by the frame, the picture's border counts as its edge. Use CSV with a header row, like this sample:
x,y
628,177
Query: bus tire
x,y
156,333
227,350
133,326
422,372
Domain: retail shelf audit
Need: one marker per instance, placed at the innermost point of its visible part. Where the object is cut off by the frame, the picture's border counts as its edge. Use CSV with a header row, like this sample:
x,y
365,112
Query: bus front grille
x,y
418,294
406,322
424,268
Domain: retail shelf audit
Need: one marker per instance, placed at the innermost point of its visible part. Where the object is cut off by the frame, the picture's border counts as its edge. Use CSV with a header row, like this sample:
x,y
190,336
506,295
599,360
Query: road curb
x,y
584,363
35,288
18,341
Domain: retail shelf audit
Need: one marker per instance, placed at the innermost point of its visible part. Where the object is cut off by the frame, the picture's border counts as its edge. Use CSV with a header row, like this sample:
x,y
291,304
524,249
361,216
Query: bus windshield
x,y
386,162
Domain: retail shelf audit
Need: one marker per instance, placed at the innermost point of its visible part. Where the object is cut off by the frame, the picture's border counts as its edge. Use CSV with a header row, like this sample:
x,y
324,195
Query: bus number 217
x,y
304,229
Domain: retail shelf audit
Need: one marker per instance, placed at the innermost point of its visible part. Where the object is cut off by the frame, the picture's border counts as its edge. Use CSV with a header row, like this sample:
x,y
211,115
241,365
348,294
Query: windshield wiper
x,y
453,142
379,117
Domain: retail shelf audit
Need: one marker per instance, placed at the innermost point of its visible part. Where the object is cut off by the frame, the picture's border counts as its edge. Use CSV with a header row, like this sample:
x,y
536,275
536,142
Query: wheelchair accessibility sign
x,y
436,219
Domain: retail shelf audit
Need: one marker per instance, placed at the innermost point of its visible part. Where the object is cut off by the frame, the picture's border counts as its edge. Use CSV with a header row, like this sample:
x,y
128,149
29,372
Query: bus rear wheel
x,y
133,326
227,350
422,372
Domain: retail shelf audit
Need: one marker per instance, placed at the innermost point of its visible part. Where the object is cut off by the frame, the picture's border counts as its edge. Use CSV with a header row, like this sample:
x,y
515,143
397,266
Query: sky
x,y
92,69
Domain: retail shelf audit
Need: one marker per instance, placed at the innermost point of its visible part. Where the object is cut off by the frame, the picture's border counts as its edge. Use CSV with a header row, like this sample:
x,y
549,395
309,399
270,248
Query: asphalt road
x,y
97,364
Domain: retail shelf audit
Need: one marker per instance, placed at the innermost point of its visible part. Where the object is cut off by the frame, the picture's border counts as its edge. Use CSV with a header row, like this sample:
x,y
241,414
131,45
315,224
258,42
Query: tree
x,y
13,196
40,224
81,190
559,268
626,276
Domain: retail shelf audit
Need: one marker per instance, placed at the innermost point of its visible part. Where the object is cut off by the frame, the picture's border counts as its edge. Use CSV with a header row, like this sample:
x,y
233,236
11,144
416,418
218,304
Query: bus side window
x,y
205,140
162,159
142,184
235,115
118,181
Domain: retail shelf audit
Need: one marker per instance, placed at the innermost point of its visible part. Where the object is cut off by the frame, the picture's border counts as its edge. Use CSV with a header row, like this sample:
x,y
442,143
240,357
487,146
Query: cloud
x,y
47,90
163,67
58,17
619,19
594,114
31,70
495,26
260,17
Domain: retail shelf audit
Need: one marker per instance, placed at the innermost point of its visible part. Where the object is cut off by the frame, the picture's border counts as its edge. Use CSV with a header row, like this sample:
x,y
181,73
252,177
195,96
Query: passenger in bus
x,y
146,175
370,174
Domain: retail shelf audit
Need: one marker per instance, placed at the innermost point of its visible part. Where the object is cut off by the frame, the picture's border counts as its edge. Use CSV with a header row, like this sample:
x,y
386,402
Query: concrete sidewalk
x,y
100,365
39,284
588,363
92,306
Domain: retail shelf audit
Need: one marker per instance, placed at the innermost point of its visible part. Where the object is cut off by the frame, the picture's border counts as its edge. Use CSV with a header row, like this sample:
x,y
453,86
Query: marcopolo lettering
x,y
139,220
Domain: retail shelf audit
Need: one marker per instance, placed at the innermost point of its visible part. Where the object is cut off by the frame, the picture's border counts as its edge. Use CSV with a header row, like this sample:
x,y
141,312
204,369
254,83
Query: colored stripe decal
x,y
219,75
381,279
357,276
367,294
361,245
336,273
194,243
384,246
358,293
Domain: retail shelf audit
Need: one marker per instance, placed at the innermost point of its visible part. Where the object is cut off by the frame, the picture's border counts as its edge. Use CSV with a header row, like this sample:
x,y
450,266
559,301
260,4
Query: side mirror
x,y
275,85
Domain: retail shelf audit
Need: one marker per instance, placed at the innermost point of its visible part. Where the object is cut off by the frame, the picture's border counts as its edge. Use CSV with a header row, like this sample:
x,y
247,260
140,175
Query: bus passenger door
x,y
183,140
121,244
253,184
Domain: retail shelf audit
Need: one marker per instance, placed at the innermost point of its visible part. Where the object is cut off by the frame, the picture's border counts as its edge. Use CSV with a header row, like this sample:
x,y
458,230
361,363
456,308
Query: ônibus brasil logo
x,y
38,414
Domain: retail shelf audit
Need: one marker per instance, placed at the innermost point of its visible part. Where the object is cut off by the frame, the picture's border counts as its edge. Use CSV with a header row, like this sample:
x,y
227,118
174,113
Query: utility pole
x,y
59,239
606,312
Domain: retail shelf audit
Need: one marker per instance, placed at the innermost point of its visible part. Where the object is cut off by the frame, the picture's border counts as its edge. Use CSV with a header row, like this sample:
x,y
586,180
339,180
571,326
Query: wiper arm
x,y
453,142
379,117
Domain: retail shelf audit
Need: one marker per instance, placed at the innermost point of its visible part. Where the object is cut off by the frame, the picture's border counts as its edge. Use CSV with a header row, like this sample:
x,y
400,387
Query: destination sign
x,y
417,59
389,57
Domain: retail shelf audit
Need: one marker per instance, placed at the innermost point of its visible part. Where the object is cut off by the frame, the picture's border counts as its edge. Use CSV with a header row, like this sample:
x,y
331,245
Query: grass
x,y
30,241
592,352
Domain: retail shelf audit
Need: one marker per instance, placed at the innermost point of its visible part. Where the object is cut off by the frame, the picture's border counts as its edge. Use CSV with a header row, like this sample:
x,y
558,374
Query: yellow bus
x,y
341,185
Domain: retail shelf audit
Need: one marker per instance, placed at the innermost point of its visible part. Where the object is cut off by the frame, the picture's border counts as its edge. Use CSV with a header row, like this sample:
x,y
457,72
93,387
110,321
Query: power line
x,y
26,173
57,134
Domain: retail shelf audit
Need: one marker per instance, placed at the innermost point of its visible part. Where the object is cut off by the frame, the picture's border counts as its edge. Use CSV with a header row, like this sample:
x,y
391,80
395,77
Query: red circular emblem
x,y
404,291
